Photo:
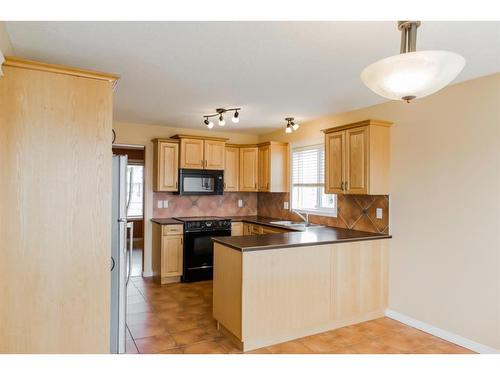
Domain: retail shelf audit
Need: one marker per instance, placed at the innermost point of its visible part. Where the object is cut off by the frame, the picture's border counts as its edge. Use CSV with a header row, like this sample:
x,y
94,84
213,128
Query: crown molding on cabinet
x,y
357,124
60,69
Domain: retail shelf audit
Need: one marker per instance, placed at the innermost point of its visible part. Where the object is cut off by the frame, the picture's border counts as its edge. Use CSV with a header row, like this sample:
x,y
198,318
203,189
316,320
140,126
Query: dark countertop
x,y
166,221
294,238
309,237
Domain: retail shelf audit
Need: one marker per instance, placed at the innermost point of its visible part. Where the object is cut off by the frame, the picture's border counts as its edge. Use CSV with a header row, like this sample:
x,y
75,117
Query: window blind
x,y
308,166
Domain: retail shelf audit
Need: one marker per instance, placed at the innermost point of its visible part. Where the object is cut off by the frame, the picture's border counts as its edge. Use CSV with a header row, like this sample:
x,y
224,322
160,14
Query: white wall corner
x,y
441,333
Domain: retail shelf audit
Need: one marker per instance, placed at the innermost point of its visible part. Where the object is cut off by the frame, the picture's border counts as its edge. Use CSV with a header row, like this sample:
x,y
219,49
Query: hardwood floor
x,y
177,319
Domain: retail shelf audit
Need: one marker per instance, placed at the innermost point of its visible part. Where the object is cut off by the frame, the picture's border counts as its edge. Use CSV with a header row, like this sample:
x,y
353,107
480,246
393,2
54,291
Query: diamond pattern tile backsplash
x,y
354,211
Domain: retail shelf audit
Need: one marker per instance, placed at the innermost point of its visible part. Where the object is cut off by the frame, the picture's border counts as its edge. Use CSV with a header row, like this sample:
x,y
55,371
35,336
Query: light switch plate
x,y
160,204
378,213
165,204
240,203
285,205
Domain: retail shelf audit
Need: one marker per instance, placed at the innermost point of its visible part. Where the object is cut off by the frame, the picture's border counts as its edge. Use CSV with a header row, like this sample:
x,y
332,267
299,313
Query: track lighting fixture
x,y
219,114
290,125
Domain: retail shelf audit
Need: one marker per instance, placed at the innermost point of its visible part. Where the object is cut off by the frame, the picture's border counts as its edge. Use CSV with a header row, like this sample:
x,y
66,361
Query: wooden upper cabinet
x,y
192,153
201,152
273,167
357,158
166,164
214,152
264,168
231,168
249,166
334,159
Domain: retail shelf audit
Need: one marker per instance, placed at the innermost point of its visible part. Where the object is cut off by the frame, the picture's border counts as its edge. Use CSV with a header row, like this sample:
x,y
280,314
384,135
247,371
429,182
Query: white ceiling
x,y
174,72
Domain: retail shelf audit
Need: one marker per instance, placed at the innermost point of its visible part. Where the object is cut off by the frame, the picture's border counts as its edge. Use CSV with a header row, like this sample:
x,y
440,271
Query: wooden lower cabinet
x,y
237,229
167,253
247,229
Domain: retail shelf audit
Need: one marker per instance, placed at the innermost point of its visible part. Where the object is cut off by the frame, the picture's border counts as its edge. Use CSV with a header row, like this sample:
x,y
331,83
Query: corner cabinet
x,y
273,167
167,253
201,152
357,158
231,168
166,164
249,168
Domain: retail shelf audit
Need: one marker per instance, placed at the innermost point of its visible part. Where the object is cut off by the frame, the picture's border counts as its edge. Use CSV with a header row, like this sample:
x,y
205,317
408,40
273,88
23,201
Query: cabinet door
x,y
192,156
334,162
231,169
248,168
247,229
356,161
214,154
171,256
167,166
236,229
264,168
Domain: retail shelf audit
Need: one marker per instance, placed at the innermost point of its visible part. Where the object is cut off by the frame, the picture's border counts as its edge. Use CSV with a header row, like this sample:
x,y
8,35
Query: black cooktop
x,y
200,218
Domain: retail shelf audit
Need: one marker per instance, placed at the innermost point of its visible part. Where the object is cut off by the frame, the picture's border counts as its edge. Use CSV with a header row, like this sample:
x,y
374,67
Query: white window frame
x,y
322,211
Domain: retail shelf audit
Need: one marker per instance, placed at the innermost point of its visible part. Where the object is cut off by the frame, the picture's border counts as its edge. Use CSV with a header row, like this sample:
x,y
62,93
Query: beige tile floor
x,y
177,318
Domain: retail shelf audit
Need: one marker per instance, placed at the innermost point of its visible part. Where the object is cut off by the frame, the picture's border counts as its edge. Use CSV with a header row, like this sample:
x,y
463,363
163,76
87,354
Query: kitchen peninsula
x,y
278,287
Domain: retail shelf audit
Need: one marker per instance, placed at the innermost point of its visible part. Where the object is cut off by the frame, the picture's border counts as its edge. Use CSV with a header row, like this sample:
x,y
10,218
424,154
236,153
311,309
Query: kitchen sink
x,y
296,224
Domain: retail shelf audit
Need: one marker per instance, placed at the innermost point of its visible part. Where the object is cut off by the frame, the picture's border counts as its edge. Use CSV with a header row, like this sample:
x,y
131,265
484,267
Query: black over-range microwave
x,y
201,182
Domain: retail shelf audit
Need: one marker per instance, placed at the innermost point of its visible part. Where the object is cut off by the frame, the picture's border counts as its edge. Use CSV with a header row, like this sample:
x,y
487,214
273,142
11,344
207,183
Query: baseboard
x,y
441,333
147,274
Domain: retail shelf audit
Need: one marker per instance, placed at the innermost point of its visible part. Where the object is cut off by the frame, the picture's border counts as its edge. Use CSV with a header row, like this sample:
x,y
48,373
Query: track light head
x,y
236,117
295,126
222,122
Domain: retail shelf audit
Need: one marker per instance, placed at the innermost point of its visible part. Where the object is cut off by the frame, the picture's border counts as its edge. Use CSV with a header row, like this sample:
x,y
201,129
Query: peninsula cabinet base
x,y
271,296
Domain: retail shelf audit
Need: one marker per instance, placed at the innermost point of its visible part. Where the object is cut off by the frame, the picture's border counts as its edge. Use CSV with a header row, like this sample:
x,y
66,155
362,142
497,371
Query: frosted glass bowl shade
x,y
412,75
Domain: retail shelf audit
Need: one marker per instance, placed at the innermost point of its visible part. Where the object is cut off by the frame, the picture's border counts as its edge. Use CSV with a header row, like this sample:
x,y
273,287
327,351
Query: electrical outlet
x,y
160,204
285,205
378,213
240,203
165,204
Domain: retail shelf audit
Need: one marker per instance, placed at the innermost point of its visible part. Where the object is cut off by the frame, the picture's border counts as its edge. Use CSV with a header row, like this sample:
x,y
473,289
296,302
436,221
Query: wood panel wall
x,y
55,202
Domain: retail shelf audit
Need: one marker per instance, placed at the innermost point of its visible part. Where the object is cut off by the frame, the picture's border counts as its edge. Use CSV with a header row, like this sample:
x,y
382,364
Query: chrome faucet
x,y
305,218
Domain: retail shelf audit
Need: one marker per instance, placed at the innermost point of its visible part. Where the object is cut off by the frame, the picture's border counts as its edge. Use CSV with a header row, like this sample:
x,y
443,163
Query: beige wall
x,y
5,44
141,134
445,205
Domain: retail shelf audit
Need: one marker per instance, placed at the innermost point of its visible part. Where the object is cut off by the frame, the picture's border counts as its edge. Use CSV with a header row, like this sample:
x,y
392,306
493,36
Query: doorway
x,y
135,202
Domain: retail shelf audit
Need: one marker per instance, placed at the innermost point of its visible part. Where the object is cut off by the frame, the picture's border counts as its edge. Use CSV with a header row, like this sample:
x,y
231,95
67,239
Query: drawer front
x,y
172,229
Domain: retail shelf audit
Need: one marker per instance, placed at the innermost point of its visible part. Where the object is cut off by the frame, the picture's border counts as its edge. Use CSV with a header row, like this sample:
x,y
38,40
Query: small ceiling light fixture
x,y
208,123
236,117
412,74
290,125
219,114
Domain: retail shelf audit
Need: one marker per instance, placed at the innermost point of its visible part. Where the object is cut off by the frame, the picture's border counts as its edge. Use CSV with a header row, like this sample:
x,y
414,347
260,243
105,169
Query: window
x,y
308,182
135,186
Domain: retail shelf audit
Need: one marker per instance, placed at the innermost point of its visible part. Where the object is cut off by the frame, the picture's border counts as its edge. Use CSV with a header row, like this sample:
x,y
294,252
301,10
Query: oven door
x,y
199,254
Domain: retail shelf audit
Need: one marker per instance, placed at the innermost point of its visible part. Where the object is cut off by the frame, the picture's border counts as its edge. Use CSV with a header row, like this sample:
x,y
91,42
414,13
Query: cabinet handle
x,y
267,185
176,184
346,185
342,186
202,163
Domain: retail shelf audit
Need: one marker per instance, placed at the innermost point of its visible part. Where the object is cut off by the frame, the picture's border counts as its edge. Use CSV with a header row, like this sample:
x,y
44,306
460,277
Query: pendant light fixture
x,y
220,114
290,125
412,74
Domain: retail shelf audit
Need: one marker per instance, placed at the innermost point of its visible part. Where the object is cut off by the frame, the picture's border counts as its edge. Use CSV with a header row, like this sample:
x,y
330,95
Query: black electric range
x,y
198,247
